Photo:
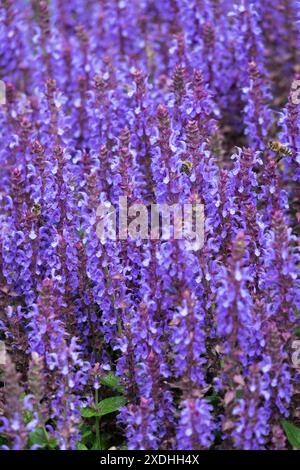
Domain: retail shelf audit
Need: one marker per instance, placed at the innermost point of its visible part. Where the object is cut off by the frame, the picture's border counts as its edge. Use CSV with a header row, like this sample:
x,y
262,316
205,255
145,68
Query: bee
x,y
186,167
279,148
36,209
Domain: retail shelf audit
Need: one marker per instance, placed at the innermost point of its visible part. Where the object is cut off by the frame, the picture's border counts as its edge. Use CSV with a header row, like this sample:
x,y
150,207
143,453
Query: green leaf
x,y
86,434
104,407
81,446
88,412
110,405
297,331
111,381
292,433
41,438
28,415
52,443
37,437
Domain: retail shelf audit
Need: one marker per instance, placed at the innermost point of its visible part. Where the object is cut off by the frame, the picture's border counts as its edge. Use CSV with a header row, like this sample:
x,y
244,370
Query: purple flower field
x,y
145,342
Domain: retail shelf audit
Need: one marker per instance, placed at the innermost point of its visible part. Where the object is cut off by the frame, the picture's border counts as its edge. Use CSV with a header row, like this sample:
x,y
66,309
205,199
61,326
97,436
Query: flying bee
x,y
279,148
186,167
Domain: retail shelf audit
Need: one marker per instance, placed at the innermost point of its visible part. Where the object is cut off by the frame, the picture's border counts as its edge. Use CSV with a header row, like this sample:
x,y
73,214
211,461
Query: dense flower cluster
x,y
162,102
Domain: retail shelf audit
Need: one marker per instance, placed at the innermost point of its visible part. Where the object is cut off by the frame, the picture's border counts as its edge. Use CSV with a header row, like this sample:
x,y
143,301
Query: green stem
x,y
98,437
